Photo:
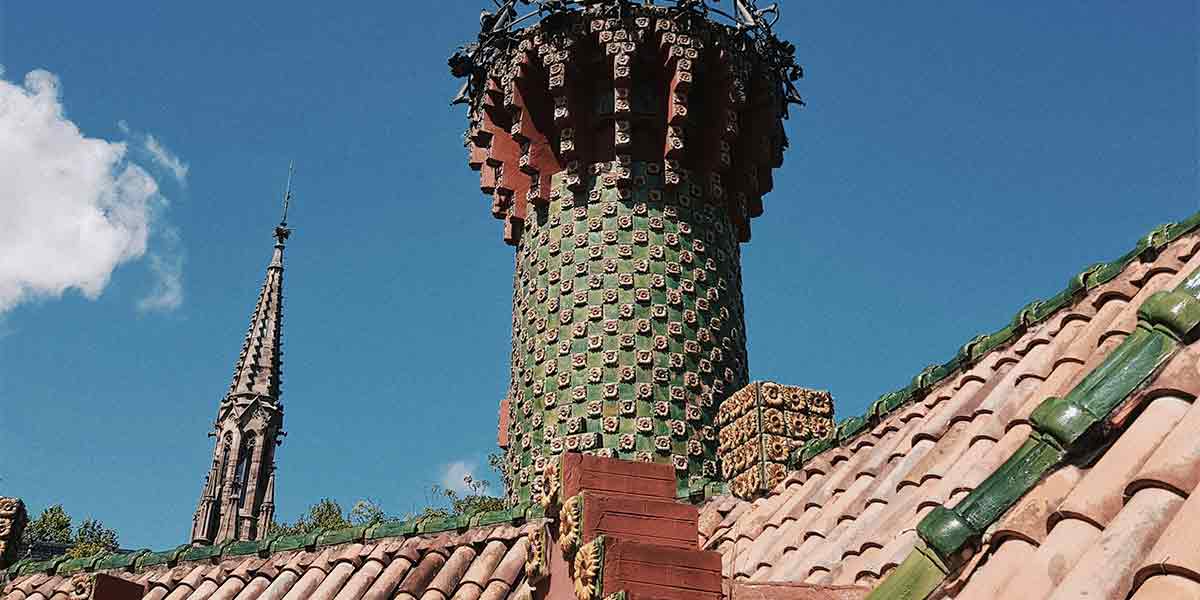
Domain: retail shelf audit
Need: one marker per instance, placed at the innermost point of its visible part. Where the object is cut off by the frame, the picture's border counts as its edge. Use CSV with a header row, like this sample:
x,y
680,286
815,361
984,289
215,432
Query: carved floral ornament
x,y
9,506
587,570
81,585
536,565
551,485
570,524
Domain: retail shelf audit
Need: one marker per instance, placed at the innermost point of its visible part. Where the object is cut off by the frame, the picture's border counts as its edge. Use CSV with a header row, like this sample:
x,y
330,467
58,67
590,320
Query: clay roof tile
x,y
390,578
1028,519
480,571
1101,494
1177,551
512,566
1168,587
1107,569
1175,464
448,577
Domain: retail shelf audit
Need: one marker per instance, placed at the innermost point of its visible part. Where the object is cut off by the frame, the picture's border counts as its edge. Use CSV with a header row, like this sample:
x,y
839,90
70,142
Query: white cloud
x,y
167,266
455,474
72,208
165,158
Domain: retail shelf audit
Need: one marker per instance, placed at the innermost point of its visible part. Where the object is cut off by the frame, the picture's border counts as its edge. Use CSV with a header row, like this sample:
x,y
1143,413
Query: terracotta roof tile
x,y
849,514
1101,494
1107,569
486,557
1178,550
476,578
1175,464
451,573
1028,519
1168,587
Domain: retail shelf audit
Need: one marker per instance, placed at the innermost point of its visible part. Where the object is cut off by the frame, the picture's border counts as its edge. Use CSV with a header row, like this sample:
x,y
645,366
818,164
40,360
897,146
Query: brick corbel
x,y
620,533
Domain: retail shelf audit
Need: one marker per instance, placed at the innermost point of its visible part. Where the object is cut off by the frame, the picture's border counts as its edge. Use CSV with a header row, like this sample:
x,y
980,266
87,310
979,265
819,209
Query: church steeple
x,y
238,499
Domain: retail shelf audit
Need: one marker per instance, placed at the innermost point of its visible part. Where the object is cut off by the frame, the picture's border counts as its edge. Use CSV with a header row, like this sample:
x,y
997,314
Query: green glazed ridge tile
x,y
437,524
394,529
121,561
202,552
162,557
242,548
289,542
74,565
14,570
333,537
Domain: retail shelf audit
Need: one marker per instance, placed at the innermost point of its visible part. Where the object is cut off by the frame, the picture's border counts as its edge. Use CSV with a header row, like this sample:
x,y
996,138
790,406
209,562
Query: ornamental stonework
x,y
13,519
761,425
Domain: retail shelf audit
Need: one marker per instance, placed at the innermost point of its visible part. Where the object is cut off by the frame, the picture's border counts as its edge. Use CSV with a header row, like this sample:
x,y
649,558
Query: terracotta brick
x,y
662,522
614,477
648,571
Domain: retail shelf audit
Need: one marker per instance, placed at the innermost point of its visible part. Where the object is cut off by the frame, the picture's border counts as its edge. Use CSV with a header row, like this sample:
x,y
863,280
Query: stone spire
x,y
626,147
238,500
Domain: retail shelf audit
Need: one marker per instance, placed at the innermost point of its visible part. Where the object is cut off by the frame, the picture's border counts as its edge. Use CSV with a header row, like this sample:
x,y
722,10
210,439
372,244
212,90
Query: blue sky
x,y
955,161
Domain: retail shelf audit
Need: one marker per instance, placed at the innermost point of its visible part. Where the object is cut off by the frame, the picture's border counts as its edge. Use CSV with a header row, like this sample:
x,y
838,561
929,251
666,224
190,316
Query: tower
x,y
238,499
626,148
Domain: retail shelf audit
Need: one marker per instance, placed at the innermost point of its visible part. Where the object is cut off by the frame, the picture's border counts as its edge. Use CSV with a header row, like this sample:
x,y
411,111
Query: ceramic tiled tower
x,y
626,149
238,500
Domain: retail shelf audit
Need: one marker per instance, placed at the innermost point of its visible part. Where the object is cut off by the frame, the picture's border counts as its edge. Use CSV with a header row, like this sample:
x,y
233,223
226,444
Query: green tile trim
x,y
917,577
1074,426
598,584
49,566
14,570
953,533
285,543
244,548
121,561
204,552
1028,316
333,537
278,543
395,529
75,565
162,557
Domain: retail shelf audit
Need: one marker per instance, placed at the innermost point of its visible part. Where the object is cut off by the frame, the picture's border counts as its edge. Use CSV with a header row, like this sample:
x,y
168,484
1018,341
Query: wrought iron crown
x,y
748,30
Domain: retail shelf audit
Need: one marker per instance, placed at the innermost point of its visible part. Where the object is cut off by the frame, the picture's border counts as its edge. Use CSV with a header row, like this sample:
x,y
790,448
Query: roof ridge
x,y
969,354
137,560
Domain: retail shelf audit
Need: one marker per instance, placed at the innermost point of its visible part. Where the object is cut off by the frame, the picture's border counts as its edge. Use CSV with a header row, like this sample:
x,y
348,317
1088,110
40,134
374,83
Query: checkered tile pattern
x,y
628,325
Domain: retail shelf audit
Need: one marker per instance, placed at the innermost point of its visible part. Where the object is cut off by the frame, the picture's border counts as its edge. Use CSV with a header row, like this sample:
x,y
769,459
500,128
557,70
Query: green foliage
x,y
54,526
328,514
449,503
92,538
496,460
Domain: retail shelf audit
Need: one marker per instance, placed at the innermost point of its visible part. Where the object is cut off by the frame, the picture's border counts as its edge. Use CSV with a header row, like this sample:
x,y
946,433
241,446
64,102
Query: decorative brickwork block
x,y
760,425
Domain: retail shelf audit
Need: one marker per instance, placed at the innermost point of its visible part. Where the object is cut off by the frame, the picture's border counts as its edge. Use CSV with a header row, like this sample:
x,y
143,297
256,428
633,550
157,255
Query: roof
x,y
1117,523
482,563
